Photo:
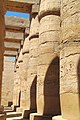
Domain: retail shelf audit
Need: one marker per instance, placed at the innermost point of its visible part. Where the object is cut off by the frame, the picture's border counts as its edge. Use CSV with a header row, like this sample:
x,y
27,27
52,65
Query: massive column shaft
x,y
32,66
17,81
25,52
16,89
70,59
48,102
2,35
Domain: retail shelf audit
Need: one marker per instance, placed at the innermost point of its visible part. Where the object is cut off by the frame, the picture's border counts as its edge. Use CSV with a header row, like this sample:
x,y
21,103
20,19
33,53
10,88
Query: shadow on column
x,y
33,88
78,74
51,89
15,107
33,105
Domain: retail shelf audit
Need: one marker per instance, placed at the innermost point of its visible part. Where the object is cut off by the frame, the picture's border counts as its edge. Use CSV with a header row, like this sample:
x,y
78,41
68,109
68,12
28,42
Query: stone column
x,y
16,89
70,60
25,52
32,65
48,101
2,35
17,82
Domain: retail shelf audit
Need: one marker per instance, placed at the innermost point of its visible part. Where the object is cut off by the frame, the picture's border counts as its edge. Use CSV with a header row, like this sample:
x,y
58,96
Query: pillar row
x,y
25,52
32,67
17,82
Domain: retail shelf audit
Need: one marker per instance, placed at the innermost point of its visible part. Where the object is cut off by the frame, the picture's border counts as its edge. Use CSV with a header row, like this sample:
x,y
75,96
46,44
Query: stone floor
x,y
11,115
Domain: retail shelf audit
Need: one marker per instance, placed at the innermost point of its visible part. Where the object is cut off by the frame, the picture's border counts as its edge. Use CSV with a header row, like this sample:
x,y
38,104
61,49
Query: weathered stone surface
x,y
48,102
10,53
2,34
70,13
49,23
70,59
25,52
17,22
30,87
40,60
20,6
49,7
58,118
35,8
27,30
34,24
11,46
17,81
32,66
14,35
69,68
36,116
7,81
2,7
32,75
70,106
26,46
16,90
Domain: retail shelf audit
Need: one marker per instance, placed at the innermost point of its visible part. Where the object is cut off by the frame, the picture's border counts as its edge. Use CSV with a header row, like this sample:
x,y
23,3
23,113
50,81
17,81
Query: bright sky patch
x,y
18,14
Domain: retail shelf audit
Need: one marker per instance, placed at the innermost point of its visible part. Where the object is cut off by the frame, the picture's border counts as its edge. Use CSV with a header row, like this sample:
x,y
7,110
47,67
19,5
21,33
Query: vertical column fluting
x,y
48,101
70,59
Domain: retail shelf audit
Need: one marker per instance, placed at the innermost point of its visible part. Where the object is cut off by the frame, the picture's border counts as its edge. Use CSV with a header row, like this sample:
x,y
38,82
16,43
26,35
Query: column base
x,y
26,113
1,108
2,113
2,116
19,109
58,118
36,116
14,107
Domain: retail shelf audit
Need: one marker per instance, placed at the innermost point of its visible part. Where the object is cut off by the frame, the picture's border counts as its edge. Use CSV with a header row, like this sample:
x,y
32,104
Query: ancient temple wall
x,y
70,59
8,81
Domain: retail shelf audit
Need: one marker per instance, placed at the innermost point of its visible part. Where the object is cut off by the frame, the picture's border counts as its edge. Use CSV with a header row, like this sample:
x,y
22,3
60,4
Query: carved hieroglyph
x,y
70,59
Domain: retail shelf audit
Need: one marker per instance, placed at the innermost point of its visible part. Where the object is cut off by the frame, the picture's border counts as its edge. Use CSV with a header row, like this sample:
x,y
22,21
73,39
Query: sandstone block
x,y
36,116
70,12
58,118
70,109
49,23
47,6
34,28
26,46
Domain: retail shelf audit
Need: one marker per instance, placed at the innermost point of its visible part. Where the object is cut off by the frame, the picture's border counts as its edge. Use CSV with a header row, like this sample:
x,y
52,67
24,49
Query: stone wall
x,y
7,81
